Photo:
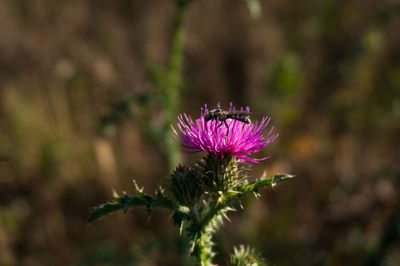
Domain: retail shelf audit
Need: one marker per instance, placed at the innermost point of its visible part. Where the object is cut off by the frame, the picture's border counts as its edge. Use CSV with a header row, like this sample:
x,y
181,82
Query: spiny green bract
x,y
246,256
217,174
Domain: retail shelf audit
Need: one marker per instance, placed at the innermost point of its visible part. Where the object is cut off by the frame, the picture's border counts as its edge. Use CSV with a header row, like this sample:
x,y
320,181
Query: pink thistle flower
x,y
211,136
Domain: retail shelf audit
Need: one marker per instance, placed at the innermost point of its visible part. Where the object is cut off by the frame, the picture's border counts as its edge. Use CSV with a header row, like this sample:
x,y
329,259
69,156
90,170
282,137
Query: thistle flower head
x,y
226,133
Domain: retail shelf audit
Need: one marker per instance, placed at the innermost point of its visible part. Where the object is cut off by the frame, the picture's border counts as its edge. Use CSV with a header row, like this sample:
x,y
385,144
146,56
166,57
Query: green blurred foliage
x,y
327,72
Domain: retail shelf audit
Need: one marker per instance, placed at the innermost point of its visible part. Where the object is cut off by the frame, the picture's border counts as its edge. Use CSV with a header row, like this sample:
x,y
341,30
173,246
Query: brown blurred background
x,y
80,117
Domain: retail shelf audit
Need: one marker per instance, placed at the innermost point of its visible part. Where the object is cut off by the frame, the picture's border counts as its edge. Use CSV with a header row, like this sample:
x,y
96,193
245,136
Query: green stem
x,y
204,224
202,249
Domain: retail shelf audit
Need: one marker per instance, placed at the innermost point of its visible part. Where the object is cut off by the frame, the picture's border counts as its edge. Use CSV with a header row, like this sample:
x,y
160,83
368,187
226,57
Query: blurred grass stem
x,y
173,81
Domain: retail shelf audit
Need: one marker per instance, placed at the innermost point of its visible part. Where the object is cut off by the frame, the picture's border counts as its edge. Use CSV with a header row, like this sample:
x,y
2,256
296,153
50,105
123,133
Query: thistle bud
x,y
184,186
246,256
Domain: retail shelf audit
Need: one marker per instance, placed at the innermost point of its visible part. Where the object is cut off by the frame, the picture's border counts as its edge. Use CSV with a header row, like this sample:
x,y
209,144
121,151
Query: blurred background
x,y
88,89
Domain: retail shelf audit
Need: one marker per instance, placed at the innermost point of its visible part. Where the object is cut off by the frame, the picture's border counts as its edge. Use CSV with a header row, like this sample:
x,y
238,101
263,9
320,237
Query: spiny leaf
x,y
102,210
121,203
161,201
262,182
127,201
272,181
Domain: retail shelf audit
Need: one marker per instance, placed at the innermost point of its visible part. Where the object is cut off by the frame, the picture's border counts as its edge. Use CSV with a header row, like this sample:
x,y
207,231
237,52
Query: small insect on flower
x,y
206,134
221,116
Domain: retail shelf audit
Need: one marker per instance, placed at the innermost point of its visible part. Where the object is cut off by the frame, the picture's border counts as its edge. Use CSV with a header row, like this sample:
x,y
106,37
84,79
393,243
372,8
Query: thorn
x,y
181,228
137,187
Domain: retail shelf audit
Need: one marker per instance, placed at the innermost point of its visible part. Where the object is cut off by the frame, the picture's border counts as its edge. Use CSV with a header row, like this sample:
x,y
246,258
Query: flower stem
x,y
208,214
202,249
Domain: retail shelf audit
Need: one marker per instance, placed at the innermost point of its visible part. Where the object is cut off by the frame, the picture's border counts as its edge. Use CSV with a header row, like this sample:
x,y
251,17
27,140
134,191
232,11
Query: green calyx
x,y
218,174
